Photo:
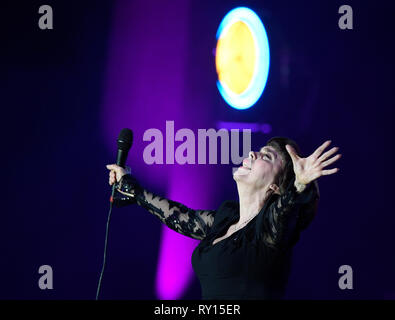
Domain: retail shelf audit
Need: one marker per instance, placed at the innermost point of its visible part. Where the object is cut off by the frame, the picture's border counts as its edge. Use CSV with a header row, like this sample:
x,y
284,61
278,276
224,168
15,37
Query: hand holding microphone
x,y
124,143
116,173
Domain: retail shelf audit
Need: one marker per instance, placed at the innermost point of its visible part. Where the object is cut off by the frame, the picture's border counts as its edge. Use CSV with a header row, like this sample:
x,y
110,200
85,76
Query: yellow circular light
x,y
236,57
242,58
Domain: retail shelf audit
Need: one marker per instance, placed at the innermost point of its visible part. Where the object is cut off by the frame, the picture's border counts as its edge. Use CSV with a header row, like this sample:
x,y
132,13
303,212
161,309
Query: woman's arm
x,y
296,207
191,223
290,213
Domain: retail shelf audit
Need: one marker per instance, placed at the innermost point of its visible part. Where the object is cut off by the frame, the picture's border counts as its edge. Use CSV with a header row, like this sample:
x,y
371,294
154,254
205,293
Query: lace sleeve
x,y
191,223
289,214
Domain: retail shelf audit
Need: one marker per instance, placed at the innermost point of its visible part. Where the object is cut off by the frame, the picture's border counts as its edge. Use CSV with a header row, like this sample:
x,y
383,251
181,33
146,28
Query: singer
x,y
246,246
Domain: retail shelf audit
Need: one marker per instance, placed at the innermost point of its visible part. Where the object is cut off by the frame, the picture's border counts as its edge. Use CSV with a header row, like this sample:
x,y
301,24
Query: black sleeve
x,y
191,223
288,214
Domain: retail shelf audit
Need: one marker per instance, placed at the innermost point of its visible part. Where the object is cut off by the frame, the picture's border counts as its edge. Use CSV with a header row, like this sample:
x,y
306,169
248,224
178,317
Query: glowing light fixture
x,y
242,58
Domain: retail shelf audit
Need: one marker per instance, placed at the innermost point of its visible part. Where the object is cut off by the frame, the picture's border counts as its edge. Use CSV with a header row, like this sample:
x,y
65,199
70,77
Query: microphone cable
x,y
105,243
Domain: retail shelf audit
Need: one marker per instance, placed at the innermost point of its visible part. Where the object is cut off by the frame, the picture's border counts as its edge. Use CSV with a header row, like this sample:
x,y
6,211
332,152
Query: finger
x,y
329,171
327,154
112,177
331,160
112,167
292,153
321,148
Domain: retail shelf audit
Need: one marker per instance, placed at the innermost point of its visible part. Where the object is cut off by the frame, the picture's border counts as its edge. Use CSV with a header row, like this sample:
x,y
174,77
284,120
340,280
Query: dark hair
x,y
287,174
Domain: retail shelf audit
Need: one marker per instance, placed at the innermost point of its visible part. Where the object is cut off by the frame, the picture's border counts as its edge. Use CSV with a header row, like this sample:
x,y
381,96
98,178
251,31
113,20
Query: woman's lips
x,y
247,163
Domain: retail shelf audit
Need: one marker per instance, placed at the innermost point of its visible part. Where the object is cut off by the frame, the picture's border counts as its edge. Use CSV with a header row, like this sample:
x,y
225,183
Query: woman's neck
x,y
251,202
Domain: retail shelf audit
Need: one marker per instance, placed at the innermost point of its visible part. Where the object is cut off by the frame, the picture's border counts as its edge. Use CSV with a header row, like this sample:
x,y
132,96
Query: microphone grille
x,y
125,139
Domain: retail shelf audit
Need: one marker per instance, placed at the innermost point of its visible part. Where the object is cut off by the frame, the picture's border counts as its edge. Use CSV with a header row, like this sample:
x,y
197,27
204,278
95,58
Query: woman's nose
x,y
252,155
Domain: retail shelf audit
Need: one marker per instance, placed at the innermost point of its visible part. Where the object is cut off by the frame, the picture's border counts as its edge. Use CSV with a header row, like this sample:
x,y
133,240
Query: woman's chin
x,y
240,173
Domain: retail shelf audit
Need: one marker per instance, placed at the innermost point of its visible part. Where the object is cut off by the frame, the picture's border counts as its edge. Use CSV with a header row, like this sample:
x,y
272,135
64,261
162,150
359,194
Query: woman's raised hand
x,y
310,168
116,173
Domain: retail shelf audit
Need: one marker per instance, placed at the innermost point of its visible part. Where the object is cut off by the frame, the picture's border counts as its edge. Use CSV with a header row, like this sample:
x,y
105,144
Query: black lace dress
x,y
253,262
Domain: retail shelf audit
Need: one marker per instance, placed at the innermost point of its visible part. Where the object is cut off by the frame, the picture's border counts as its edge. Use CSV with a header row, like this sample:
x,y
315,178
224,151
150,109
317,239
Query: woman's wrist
x,y
300,187
126,183
121,179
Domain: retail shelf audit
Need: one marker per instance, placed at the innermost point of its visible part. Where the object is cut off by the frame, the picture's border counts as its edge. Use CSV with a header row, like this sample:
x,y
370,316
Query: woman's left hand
x,y
310,168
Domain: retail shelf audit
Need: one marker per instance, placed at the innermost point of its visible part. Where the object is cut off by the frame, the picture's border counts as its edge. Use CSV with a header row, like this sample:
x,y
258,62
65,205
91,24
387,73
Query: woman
x,y
246,246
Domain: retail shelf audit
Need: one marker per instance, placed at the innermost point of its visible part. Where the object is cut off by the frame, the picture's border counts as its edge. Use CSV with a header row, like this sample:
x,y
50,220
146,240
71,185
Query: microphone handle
x,y
121,157
112,193
121,161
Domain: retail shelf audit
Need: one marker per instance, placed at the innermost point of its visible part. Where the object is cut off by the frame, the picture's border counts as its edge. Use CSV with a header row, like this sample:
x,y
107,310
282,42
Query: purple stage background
x,y
67,92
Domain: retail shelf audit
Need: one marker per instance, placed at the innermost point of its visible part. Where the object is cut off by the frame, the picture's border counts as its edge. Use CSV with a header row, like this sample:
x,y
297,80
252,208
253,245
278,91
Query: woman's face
x,y
260,168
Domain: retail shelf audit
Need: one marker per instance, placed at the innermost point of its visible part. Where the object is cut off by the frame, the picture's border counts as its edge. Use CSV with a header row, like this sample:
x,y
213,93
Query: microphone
x,y
124,142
